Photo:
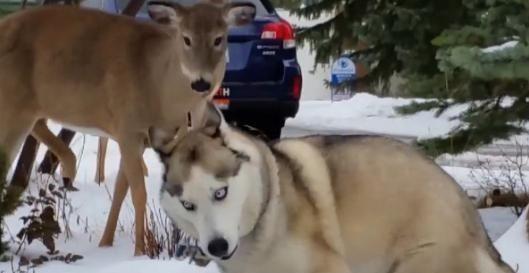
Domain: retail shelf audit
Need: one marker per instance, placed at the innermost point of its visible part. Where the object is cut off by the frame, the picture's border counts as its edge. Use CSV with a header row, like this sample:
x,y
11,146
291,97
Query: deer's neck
x,y
176,96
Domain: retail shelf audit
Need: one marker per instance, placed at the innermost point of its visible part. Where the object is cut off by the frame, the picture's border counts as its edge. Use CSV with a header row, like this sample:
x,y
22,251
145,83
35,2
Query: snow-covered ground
x,y
365,112
91,204
514,246
89,209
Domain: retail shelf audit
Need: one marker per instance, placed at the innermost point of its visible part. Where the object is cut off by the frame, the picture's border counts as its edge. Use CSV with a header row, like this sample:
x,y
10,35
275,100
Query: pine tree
x,y
3,172
9,198
437,47
387,36
285,4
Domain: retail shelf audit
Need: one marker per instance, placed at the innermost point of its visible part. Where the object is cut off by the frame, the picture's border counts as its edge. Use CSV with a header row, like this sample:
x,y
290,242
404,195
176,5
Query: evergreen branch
x,y
467,139
416,107
316,9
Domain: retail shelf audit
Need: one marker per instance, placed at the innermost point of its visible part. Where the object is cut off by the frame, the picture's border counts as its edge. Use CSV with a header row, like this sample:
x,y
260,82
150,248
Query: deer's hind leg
x,y
101,158
15,126
60,149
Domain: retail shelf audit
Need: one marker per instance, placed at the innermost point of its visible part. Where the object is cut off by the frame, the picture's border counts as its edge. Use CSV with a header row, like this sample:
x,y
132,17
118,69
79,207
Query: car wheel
x,y
271,127
266,128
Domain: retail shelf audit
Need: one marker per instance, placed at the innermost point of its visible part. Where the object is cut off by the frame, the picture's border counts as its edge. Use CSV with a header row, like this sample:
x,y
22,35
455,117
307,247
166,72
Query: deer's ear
x,y
238,14
163,142
213,120
166,13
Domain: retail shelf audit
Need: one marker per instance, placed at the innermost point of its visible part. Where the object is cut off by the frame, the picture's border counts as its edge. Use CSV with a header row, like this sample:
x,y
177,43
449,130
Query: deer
x,y
112,76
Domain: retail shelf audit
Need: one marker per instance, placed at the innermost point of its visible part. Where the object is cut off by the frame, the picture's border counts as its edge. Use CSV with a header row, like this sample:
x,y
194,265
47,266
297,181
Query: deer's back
x,y
77,55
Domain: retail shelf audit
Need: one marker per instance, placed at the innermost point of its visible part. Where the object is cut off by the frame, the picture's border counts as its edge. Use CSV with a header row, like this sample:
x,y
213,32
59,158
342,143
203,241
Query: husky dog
x,y
321,204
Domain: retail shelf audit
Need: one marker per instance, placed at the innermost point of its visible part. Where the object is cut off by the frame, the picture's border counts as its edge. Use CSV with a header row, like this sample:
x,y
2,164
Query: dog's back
x,y
395,204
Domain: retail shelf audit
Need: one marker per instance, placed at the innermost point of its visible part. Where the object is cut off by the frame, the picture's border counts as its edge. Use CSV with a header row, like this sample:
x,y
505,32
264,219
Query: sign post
x,y
343,70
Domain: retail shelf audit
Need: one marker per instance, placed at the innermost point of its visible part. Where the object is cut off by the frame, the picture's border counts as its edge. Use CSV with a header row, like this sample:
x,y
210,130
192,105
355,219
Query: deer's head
x,y
201,33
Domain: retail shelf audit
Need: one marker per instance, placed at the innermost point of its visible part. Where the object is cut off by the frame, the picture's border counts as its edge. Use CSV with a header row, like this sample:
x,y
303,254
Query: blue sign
x,y
342,70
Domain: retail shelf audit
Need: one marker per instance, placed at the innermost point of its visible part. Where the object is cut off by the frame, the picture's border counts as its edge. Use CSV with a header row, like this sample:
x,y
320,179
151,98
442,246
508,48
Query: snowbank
x,y
501,47
365,112
514,245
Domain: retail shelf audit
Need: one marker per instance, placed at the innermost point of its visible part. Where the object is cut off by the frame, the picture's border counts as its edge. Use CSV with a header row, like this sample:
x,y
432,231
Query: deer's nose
x,y
200,85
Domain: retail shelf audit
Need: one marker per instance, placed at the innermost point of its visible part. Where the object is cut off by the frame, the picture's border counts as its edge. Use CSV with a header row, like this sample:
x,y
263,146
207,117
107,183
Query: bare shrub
x,y
504,181
165,241
50,209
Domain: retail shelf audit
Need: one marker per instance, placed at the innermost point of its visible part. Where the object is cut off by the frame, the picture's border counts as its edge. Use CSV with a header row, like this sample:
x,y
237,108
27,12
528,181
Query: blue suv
x,y
262,84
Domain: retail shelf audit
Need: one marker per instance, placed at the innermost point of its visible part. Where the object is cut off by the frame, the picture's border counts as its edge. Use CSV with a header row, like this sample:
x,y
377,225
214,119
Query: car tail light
x,y
296,87
280,31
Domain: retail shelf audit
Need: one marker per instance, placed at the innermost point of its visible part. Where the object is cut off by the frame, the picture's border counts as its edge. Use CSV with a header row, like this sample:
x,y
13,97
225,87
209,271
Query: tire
x,y
273,131
271,127
268,128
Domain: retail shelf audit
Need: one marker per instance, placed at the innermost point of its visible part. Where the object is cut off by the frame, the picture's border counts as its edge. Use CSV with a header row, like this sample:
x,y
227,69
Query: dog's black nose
x,y
200,85
218,247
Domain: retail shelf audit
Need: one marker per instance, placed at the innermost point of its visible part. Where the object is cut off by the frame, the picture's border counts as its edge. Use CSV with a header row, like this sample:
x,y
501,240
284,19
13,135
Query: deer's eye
x,y
187,41
217,41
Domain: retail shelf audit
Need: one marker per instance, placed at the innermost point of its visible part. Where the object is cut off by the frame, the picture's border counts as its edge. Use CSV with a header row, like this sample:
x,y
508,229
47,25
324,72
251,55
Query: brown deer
x,y
111,74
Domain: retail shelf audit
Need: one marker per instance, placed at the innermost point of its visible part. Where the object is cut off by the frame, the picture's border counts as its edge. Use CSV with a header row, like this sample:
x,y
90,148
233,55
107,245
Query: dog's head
x,y
200,32
210,187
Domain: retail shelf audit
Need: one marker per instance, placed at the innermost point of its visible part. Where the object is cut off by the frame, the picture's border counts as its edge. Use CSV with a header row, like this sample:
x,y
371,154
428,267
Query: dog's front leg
x,y
333,263
131,155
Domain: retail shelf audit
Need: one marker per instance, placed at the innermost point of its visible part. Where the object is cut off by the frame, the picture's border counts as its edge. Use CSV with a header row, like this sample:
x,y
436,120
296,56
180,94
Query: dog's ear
x,y
214,121
166,13
163,142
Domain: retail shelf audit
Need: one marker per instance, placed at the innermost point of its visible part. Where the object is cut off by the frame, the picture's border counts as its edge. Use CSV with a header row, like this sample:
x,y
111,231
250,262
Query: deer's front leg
x,y
120,191
131,154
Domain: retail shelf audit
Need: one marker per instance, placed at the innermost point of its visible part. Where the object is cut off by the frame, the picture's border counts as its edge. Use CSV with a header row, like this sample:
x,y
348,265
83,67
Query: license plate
x,y
222,104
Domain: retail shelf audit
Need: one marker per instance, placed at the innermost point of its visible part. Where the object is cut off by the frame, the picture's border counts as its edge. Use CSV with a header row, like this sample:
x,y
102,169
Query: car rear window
x,y
261,9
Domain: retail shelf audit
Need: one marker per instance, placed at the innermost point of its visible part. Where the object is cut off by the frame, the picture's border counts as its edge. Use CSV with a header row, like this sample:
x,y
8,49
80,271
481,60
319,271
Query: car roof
x,y
263,7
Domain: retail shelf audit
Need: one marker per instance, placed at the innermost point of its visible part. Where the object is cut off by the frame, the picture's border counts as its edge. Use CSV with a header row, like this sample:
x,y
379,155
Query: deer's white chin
x,y
191,75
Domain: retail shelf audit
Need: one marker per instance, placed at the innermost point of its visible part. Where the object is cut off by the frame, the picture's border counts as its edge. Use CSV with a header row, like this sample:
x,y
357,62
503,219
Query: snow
x,y
514,245
497,220
366,112
497,48
90,207
91,204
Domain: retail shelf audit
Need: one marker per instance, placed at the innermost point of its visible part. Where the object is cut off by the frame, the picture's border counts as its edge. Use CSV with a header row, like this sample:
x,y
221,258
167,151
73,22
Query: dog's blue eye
x,y
221,193
188,205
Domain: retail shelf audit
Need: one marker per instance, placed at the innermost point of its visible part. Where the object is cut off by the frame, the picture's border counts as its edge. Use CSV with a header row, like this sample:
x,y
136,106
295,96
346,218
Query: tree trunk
x,y
527,220
133,7
25,163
